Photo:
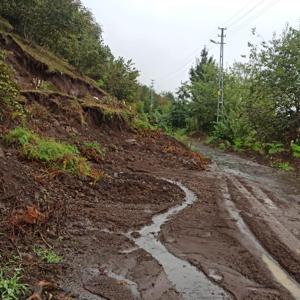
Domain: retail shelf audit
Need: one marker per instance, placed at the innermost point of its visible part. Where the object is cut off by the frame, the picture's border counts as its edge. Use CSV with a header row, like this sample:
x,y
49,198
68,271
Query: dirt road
x,y
243,233
232,233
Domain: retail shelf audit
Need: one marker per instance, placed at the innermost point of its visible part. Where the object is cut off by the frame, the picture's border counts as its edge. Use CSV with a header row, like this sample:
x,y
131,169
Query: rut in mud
x,y
189,282
244,231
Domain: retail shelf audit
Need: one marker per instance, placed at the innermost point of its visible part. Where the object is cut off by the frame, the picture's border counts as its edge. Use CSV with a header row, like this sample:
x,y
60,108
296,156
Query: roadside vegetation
x,y
51,152
262,102
261,94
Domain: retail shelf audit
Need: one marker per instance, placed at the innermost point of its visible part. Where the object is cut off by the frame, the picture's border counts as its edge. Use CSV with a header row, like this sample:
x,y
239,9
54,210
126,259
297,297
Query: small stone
x,y
131,141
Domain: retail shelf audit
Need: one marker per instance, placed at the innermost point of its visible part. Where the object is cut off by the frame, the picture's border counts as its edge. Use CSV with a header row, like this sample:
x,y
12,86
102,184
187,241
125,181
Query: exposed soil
x,y
93,225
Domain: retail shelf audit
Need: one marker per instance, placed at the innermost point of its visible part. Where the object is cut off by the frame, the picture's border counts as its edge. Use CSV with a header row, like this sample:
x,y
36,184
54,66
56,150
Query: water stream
x,y
191,283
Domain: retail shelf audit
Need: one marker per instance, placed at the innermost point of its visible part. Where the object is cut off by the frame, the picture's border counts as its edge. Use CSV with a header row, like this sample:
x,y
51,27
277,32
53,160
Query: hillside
x,y
75,171
98,203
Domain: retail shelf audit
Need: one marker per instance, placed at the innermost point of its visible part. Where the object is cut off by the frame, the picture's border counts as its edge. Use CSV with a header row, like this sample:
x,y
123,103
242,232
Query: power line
x,y
252,18
246,13
235,19
237,13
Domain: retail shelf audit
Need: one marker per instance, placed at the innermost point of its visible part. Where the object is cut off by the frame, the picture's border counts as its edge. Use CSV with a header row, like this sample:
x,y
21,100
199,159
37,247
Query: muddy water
x,y
189,282
284,183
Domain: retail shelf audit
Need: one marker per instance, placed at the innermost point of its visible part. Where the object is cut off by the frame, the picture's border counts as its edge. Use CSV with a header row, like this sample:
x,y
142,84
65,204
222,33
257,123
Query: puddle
x,y
191,283
280,275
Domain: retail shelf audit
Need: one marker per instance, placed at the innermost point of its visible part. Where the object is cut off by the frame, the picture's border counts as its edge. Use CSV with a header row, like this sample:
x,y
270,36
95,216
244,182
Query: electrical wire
x,y
246,13
233,21
248,21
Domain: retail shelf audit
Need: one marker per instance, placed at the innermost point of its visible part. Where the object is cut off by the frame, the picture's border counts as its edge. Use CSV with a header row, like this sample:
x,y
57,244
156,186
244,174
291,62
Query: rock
x,y
131,141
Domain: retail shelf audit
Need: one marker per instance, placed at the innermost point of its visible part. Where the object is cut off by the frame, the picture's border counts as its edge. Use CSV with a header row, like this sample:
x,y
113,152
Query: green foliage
x,y
10,287
141,122
296,150
180,135
95,146
48,255
285,166
120,79
275,148
48,86
49,151
9,92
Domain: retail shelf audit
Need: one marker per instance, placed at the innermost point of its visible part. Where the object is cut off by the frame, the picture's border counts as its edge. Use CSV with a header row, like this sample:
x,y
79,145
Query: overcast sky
x,y
163,37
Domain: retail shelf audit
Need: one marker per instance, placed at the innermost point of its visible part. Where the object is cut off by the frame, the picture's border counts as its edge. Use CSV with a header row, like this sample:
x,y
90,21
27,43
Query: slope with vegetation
x,y
75,159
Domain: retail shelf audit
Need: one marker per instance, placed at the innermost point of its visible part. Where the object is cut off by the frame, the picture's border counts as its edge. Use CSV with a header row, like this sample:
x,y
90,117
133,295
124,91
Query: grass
x,y
94,146
48,255
284,166
49,151
10,287
296,150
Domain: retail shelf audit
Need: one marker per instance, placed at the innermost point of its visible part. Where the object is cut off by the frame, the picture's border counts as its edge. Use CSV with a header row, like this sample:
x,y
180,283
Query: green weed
x,y
285,166
274,148
95,146
296,150
180,135
10,287
48,255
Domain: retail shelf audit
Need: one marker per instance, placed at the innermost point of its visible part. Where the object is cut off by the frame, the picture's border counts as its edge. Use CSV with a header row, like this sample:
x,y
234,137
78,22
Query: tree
x,y
275,88
201,93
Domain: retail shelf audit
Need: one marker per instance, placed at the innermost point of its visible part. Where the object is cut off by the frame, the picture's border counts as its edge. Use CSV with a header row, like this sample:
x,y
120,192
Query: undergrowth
x,y
92,150
284,166
51,152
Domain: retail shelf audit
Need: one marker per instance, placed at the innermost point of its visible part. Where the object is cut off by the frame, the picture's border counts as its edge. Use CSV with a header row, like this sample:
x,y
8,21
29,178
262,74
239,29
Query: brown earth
x,y
88,223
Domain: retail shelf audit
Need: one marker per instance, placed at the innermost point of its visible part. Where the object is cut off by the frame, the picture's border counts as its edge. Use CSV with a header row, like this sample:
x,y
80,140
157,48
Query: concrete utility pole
x,y
220,111
151,94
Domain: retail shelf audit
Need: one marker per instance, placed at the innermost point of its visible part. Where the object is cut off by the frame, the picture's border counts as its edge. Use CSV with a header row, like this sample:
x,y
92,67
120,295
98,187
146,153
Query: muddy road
x,y
233,232
243,232
155,228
